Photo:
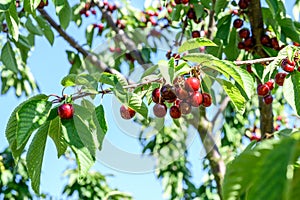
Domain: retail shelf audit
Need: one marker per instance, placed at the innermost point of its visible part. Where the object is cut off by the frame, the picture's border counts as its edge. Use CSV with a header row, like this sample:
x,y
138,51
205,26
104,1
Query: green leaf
x,y
195,43
83,156
232,53
166,71
149,71
288,29
89,34
55,132
291,91
220,5
12,20
31,5
8,57
12,125
101,118
234,94
32,28
46,29
4,4
69,80
257,171
31,116
35,155
137,104
224,28
65,15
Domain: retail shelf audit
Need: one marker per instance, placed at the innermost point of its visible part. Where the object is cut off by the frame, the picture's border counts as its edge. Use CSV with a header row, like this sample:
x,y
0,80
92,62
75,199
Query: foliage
x,y
136,36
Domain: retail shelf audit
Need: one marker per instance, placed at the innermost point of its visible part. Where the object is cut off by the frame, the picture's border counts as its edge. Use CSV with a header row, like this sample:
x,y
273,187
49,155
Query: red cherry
x,y
238,23
66,111
93,11
279,78
268,99
185,108
244,33
296,44
185,1
249,42
235,12
196,99
192,84
160,110
270,83
255,137
178,1
196,34
181,93
87,13
275,44
169,9
207,100
241,45
265,40
291,62
263,89
176,56
167,93
175,112
243,4
156,95
126,112
191,14
287,67
249,68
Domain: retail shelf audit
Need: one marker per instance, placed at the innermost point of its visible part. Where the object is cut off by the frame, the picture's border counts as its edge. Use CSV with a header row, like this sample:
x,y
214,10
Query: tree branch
x,y
212,22
260,60
257,28
90,57
121,36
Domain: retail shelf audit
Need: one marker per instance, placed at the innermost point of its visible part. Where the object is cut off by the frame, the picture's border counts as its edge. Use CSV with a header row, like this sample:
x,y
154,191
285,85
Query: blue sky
x,y
49,65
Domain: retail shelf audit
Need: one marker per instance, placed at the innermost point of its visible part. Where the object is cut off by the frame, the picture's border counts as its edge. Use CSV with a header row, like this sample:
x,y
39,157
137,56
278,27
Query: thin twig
x,y
120,34
260,60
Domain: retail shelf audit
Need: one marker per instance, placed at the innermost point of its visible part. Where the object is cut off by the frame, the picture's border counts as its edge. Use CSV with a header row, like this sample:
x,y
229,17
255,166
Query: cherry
x,y
191,14
268,99
126,112
263,89
286,66
181,93
235,12
274,43
178,1
167,93
243,4
192,84
196,34
255,137
249,68
176,56
270,83
160,110
66,111
43,4
156,95
93,11
244,33
291,62
241,45
249,42
238,23
279,78
265,40
196,99
185,108
175,112
296,44
185,1
207,100
87,13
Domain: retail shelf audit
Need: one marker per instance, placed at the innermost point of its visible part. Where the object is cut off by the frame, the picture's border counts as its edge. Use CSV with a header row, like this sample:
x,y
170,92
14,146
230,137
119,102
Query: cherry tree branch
x,y
222,107
121,36
257,28
255,61
89,56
